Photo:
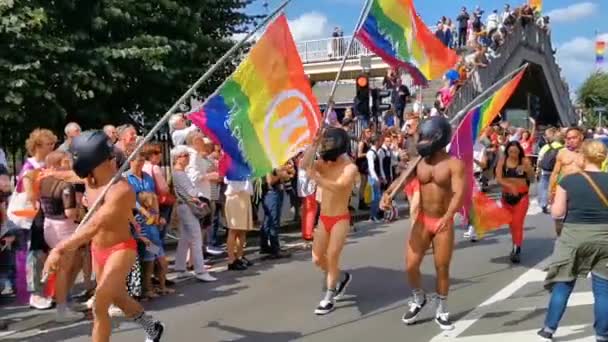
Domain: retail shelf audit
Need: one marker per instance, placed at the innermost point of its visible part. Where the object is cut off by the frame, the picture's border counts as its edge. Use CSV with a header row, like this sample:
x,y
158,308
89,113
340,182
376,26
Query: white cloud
x,y
312,25
573,12
576,57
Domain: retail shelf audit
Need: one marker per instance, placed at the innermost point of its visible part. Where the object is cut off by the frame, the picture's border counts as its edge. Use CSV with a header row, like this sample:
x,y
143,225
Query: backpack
x,y
547,163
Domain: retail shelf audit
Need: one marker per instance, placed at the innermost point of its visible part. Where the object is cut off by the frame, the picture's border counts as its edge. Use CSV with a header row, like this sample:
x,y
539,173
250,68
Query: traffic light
x,y
362,96
377,101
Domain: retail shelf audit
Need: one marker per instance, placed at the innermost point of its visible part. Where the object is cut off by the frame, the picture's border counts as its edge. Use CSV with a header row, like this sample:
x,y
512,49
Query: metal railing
x,y
329,49
531,37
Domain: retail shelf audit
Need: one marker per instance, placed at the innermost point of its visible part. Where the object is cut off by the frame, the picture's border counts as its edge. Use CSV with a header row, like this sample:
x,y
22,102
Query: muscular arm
x,y
345,181
118,199
556,171
458,186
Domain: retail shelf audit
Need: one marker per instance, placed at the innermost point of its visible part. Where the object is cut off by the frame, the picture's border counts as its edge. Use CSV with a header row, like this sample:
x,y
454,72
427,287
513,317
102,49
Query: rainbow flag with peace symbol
x,y
265,112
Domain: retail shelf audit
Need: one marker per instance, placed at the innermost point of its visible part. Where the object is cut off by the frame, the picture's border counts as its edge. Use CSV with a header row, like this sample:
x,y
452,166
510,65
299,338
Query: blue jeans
x,y
376,195
543,188
213,239
269,233
559,301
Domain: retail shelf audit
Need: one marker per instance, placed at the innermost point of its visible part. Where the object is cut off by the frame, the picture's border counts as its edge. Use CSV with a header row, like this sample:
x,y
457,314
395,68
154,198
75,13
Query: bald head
x,y
110,131
72,130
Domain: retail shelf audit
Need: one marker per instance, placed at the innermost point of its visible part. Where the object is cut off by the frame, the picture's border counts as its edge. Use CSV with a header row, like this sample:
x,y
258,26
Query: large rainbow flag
x,y
481,212
265,111
393,30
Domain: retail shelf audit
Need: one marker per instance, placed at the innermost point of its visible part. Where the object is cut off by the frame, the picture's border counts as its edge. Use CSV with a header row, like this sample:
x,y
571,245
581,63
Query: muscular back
x,y
113,215
437,184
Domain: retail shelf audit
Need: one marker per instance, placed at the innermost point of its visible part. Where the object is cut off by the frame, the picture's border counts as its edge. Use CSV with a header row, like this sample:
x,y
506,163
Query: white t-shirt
x,y
492,21
479,151
197,168
179,136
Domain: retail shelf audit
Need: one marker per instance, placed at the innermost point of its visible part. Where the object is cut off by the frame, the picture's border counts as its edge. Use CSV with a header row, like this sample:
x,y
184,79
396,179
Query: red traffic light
x,y
362,81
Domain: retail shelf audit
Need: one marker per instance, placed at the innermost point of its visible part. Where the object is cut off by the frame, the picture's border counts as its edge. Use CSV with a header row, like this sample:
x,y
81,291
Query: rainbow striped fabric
x,y
600,50
265,112
477,205
537,5
393,30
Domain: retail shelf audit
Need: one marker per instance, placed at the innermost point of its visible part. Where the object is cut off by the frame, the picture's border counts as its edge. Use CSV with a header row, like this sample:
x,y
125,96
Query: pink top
x,y
159,178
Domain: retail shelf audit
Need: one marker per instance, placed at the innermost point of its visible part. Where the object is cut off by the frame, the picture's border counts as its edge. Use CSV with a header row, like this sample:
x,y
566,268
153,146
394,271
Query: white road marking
x,y
501,302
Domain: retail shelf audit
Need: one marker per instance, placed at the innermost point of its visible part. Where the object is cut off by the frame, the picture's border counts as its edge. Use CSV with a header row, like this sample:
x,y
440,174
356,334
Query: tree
x,y
96,61
593,94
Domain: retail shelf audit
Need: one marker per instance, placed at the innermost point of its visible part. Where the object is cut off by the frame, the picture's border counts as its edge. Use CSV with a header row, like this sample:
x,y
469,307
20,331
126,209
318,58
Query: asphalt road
x,y
490,299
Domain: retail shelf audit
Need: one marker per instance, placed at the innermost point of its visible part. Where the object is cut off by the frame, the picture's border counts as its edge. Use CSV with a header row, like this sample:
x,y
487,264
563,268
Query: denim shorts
x,y
155,251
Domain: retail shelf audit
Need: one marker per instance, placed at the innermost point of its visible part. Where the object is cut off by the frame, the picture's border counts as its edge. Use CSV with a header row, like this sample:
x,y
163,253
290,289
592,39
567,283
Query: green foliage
x,y
593,94
96,61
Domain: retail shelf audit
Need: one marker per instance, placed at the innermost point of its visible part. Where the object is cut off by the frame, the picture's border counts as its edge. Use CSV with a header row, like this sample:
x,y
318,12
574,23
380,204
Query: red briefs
x,y
431,223
101,255
330,221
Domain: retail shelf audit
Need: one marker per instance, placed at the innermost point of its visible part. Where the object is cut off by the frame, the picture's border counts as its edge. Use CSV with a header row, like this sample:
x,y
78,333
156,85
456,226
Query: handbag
x,y
166,199
199,211
596,188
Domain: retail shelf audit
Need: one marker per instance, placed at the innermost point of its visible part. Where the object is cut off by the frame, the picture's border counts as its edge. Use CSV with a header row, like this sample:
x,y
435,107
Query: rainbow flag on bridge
x,y
265,111
393,30
482,212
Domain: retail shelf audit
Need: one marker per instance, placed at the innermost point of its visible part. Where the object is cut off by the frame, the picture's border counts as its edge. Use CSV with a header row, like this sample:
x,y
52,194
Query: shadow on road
x,y
254,336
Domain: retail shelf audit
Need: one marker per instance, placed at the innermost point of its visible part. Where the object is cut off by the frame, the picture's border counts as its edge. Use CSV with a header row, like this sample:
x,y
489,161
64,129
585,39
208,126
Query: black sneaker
x,y
325,307
343,285
443,320
237,265
545,335
246,262
159,328
411,315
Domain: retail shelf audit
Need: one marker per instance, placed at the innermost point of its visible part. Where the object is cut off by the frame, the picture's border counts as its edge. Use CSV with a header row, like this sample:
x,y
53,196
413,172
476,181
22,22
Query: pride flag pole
x,y
308,156
181,100
482,97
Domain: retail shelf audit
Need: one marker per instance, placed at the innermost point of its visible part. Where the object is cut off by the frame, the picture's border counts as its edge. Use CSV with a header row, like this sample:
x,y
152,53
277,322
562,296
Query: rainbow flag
x,y
461,146
265,111
600,50
393,30
537,5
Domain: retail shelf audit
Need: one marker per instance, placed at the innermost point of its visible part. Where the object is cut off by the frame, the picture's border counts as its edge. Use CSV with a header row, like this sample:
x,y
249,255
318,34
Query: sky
x,y
573,23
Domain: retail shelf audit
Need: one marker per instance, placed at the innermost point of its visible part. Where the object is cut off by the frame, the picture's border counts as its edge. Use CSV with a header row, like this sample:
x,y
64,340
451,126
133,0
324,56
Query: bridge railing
x,y
329,49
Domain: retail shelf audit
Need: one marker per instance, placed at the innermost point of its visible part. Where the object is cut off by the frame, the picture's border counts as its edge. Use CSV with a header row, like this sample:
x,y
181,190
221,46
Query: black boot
x,y
515,255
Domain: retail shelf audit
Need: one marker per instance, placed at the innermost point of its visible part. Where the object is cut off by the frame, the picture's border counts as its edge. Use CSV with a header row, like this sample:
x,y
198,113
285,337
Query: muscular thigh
x,y
419,240
115,271
443,246
320,241
337,237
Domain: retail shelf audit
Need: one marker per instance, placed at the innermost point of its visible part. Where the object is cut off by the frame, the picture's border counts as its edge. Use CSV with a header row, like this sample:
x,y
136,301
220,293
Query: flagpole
x,y
171,110
308,155
482,97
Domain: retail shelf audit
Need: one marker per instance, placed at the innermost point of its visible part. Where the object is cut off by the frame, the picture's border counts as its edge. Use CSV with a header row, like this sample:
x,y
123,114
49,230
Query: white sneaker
x,y
68,316
182,274
205,277
90,302
470,234
40,303
114,311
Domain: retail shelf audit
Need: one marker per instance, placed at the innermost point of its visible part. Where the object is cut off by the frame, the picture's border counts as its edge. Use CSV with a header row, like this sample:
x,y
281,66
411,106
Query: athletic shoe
x,y
246,262
325,307
237,265
182,274
40,303
470,234
214,250
68,316
443,320
205,277
343,285
90,302
115,311
412,313
545,335
159,328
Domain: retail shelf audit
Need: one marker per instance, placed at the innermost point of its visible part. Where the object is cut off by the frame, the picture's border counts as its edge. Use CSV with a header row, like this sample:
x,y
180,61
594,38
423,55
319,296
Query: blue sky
x,y
574,23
